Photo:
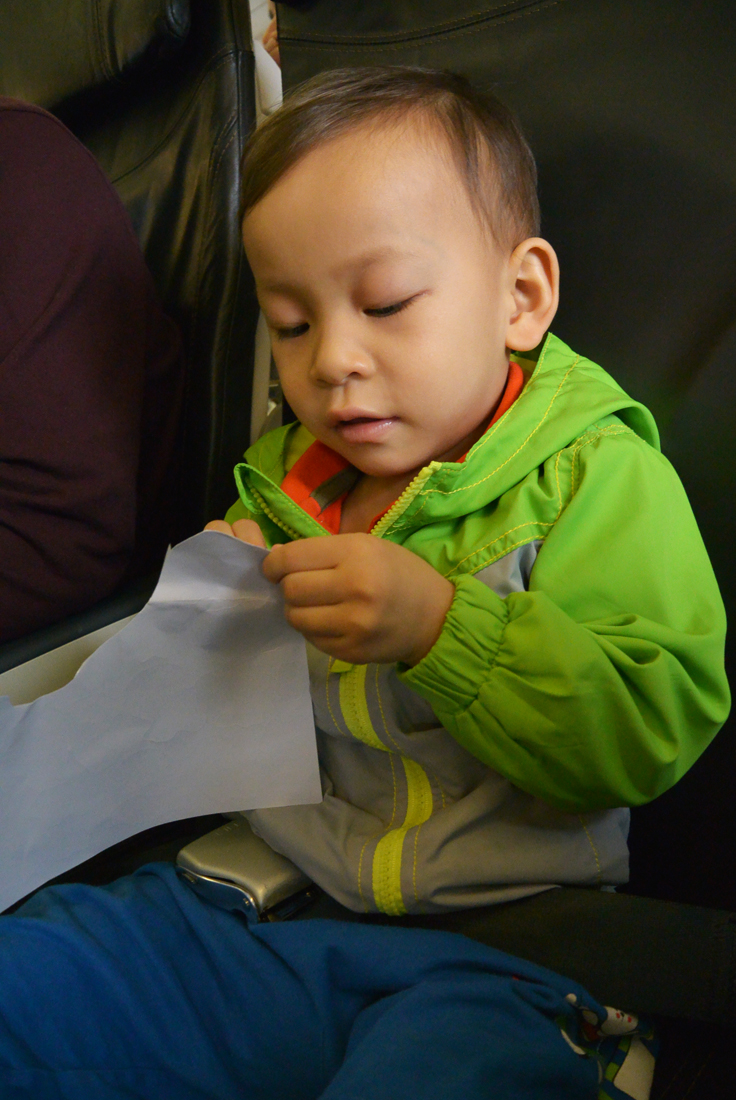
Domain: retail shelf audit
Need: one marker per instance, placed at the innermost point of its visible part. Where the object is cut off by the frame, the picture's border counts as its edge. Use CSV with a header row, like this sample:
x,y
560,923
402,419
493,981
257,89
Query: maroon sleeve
x,y
89,381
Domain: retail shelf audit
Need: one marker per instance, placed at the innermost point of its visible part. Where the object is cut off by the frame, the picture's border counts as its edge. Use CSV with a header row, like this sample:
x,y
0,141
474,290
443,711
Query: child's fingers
x,y
315,622
301,556
247,530
271,42
315,588
244,529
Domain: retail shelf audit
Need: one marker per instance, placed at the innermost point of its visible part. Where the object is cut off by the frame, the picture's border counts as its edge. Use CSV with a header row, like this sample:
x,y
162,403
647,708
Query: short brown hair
x,y
491,153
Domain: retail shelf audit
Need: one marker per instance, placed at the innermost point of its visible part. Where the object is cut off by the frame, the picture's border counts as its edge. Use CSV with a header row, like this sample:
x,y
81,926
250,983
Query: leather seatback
x,y
630,107
53,49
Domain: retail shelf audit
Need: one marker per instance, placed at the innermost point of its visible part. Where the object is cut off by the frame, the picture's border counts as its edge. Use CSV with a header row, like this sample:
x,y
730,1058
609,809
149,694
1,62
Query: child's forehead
x,y
407,142
378,199
379,163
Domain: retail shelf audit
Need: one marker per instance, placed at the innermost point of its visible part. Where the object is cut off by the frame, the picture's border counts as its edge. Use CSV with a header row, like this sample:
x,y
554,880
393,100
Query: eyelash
x,y
290,333
382,311
389,311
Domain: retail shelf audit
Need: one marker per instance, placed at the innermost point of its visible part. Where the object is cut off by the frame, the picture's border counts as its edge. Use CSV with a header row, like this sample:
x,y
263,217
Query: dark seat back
x,y
630,106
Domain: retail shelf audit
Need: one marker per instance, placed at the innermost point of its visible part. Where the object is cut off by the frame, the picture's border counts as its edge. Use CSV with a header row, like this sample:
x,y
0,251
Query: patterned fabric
x,y
624,1046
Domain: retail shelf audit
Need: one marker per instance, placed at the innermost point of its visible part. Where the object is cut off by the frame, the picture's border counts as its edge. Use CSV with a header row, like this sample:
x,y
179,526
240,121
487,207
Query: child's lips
x,y
364,429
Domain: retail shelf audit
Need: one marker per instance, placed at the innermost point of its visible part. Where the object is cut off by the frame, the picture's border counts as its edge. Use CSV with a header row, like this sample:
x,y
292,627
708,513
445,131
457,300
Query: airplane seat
x,y
630,109
162,92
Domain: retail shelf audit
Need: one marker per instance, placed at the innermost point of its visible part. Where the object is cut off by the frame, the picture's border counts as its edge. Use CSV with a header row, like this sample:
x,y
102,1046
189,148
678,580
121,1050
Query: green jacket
x,y
581,662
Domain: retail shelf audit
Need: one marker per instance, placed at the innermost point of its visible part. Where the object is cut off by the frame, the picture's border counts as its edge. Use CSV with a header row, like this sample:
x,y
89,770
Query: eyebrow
x,y
359,264
377,255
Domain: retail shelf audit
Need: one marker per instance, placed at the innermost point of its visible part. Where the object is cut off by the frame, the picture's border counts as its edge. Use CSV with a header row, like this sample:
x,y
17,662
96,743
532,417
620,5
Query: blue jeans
x,y
141,989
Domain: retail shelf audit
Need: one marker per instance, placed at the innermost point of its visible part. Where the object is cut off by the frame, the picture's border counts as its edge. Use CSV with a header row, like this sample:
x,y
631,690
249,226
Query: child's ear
x,y
534,275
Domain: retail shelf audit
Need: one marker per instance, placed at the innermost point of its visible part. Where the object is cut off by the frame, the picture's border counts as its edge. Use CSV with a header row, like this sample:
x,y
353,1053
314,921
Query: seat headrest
x,y
72,45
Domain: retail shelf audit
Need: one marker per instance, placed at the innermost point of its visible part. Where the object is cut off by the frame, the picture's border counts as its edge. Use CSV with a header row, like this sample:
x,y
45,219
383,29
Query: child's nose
x,y
338,356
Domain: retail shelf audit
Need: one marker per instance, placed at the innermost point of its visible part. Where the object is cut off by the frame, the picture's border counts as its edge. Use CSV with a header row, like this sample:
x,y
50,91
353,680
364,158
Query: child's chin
x,y
386,470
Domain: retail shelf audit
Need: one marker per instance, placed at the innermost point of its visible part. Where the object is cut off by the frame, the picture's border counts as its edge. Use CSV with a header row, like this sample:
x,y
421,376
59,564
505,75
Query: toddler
x,y
513,632
514,629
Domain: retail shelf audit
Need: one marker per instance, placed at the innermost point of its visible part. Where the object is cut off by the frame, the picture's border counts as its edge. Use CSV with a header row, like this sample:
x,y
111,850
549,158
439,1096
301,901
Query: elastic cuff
x,y
459,662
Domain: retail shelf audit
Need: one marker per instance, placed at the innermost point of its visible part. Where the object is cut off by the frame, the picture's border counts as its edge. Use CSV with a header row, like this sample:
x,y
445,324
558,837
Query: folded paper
x,y
199,705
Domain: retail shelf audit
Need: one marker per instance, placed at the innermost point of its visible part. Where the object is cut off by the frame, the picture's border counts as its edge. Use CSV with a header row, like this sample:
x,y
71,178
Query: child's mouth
x,y
365,429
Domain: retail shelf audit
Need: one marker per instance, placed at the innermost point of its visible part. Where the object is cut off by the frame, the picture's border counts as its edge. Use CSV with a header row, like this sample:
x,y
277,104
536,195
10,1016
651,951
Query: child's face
x,y
387,301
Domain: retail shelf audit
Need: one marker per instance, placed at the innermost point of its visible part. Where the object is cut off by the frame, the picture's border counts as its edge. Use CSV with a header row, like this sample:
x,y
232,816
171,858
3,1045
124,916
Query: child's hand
x,y
360,598
247,530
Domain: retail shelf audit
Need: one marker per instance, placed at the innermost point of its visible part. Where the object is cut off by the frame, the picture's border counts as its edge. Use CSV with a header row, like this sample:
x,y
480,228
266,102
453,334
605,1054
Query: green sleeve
x,y
602,684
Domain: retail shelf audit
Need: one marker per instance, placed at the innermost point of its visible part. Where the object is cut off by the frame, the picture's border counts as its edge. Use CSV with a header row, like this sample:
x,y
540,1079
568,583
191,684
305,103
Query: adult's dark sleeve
x,y
89,381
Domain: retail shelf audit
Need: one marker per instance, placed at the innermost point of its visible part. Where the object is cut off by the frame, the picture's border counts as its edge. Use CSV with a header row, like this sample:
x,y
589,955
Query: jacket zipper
x,y
290,531
402,503
396,509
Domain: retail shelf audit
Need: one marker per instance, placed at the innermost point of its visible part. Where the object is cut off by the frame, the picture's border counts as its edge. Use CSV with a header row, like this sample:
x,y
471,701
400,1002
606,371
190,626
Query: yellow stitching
x,y
488,435
613,430
396,793
439,788
573,467
414,867
599,873
360,871
519,527
502,553
582,443
559,487
591,437
346,731
524,393
462,488
448,492
383,716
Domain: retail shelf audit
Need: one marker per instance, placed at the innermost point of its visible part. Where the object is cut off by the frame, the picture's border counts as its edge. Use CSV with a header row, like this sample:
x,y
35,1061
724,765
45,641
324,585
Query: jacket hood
x,y
565,395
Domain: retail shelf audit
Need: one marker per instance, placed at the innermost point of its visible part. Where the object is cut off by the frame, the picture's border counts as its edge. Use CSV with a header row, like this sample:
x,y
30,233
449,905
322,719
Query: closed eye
x,y
288,332
389,311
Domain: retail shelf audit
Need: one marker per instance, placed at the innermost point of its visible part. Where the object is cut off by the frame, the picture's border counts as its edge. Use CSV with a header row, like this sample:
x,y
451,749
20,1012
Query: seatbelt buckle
x,y
234,869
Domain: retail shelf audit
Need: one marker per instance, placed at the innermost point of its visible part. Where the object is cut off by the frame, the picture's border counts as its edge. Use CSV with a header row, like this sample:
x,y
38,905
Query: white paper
x,y
200,705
